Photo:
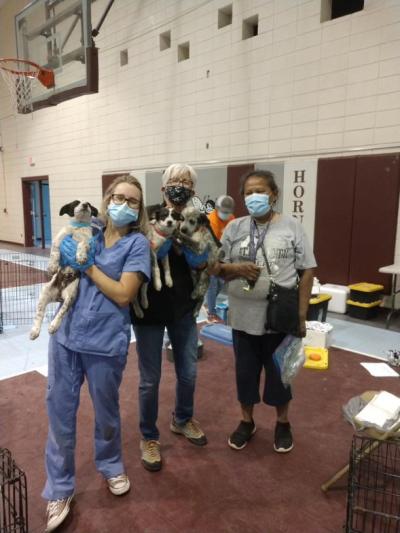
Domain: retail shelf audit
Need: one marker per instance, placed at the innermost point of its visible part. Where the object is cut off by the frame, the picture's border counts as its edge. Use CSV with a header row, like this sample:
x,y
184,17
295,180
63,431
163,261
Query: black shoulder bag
x,y
283,306
283,309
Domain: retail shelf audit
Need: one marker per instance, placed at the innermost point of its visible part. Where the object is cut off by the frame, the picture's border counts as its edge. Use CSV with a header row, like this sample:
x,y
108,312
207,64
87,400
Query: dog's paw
x,y
157,284
34,333
53,327
168,281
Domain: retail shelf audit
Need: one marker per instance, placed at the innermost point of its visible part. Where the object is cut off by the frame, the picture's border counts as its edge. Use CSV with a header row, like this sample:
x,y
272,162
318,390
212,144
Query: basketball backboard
x,y
57,34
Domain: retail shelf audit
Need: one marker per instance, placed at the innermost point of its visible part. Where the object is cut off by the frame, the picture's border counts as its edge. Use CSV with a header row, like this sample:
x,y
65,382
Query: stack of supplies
x,y
365,299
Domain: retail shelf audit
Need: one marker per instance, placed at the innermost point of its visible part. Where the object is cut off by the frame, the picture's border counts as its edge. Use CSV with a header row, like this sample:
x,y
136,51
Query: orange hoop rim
x,y
44,75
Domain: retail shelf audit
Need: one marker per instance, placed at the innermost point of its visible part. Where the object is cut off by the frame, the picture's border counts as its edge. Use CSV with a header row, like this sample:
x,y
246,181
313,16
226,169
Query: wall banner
x,y
299,192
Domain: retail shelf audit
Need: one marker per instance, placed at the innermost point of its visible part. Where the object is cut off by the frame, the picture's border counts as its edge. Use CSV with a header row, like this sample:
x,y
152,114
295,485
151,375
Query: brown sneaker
x,y
119,485
151,455
57,512
191,430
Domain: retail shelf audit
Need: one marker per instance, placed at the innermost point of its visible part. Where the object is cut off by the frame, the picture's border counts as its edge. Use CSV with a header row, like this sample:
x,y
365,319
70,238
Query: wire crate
x,y
373,502
22,277
13,496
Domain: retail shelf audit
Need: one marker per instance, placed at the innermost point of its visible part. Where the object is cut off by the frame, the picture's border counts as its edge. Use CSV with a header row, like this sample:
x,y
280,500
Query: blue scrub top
x,y
95,324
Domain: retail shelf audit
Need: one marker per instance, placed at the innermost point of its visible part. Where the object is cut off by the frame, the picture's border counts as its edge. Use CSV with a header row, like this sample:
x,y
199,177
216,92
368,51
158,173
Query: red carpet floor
x,y
202,490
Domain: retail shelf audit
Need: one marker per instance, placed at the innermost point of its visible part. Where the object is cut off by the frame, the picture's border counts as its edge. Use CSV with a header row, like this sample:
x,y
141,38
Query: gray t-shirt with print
x,y
287,249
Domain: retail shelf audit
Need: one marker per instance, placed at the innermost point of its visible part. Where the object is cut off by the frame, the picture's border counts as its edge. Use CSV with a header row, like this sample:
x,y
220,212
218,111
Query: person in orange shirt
x,y
219,219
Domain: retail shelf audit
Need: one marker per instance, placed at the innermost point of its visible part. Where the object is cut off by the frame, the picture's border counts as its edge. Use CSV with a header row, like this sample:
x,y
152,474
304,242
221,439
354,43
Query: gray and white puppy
x,y
195,232
63,286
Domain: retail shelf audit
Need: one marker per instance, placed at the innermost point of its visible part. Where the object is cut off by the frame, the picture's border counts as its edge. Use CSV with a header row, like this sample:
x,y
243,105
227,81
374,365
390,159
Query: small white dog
x,y
195,232
63,285
163,225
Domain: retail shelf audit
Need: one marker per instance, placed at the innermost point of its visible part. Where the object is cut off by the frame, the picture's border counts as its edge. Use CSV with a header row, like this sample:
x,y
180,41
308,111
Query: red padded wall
x,y
374,217
333,218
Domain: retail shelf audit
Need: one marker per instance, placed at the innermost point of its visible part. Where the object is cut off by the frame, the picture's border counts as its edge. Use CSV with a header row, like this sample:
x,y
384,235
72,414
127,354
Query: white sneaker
x,y
119,485
57,512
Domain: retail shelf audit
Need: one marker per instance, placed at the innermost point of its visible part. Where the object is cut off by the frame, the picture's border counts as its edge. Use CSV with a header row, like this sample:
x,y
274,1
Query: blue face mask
x,y
222,215
122,215
257,204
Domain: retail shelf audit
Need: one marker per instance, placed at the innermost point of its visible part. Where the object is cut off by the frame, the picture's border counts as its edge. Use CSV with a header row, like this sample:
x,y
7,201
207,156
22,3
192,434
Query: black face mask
x,y
177,194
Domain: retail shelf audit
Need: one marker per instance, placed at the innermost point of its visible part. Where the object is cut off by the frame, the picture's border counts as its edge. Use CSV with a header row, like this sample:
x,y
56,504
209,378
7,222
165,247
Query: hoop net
x,y
20,76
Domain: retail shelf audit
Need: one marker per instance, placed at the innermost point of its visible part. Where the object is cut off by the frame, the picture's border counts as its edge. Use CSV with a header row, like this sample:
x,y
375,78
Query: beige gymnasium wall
x,y
299,90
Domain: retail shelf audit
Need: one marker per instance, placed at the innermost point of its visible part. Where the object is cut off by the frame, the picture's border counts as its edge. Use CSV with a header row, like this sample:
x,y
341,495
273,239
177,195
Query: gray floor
x,y
378,322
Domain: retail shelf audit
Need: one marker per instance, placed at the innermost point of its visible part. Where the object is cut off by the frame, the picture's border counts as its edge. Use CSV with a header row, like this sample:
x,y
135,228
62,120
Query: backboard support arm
x,y
96,30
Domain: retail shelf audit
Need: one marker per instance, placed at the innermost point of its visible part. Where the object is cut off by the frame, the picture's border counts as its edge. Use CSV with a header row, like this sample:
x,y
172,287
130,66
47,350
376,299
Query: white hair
x,y
178,170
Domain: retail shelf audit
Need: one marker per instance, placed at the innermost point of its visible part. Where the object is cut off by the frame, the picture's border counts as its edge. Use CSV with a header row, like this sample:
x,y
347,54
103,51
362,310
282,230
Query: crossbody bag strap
x,y
266,261
269,268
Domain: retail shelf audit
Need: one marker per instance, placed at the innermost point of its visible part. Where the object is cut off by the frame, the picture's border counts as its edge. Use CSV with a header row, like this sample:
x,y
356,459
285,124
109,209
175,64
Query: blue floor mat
x,y
217,332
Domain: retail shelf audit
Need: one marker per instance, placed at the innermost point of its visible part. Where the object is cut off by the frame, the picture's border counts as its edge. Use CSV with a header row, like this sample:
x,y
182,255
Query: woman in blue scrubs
x,y
92,342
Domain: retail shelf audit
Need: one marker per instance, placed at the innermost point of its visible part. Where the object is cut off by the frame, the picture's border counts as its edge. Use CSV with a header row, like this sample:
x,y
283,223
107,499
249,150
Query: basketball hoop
x,y
20,76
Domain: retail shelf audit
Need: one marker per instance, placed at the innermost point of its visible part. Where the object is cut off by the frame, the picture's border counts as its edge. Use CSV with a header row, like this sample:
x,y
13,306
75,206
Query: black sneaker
x,y
242,434
283,437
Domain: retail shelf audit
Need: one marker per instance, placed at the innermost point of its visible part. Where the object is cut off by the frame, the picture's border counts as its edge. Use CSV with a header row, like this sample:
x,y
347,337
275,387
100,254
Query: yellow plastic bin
x,y
365,311
365,293
316,358
318,307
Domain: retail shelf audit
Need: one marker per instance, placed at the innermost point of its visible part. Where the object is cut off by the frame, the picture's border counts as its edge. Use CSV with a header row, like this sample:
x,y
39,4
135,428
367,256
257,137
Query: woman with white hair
x,y
170,308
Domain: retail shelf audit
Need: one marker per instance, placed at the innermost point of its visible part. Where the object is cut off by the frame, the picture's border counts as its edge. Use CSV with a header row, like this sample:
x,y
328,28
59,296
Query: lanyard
x,y
253,248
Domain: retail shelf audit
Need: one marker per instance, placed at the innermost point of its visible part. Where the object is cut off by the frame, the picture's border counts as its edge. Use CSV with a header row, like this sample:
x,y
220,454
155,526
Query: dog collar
x,y
80,224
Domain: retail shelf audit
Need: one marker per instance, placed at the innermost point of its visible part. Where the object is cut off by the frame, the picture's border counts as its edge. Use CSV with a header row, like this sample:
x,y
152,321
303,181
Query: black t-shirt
x,y
170,303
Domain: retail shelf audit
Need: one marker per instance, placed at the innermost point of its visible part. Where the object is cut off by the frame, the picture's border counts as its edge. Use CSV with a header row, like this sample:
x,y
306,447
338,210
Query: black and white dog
x,y
163,225
63,285
196,233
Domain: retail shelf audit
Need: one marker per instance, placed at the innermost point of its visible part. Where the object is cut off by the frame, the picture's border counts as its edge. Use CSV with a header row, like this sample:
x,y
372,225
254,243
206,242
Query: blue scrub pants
x,y
149,344
67,371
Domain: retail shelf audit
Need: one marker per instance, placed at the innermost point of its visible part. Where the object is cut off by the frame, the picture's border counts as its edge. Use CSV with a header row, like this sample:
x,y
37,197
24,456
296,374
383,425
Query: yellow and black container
x,y
365,293
364,311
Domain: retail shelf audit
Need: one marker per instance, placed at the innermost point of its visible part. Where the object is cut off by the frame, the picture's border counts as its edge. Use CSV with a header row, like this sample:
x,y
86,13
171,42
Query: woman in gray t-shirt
x,y
247,242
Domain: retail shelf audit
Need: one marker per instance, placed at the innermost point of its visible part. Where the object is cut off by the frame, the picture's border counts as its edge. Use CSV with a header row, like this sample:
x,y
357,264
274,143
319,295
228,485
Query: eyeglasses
x,y
186,182
120,199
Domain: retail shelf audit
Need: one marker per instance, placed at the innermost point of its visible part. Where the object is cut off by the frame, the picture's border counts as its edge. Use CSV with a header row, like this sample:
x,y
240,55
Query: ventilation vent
x,y
165,40
333,9
225,16
250,27
183,51
123,58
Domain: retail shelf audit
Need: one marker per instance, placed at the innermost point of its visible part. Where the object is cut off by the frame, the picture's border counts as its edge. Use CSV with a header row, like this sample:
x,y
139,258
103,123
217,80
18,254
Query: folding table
x,y
394,270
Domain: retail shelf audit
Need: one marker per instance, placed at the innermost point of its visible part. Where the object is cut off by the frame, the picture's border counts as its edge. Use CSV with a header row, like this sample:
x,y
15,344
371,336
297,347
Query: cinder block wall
x,y
300,88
